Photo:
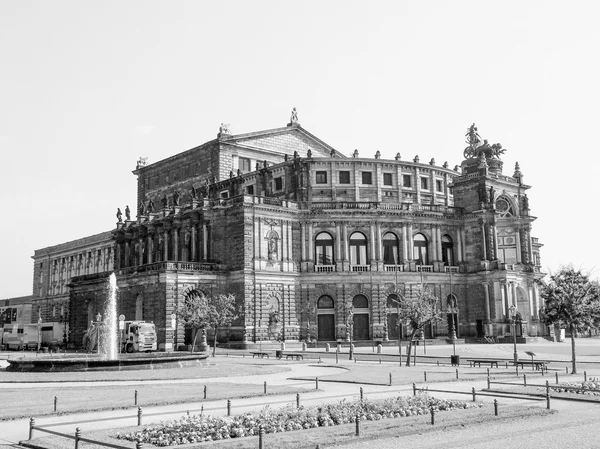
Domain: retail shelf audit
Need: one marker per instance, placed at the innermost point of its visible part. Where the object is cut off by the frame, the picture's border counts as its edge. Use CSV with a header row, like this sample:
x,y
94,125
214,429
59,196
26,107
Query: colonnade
x,y
186,241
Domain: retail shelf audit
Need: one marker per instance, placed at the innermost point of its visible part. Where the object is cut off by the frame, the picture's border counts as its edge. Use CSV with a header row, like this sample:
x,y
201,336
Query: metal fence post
x,y
473,391
585,376
265,387
138,444
316,383
357,419
432,416
55,403
261,434
139,416
228,407
135,397
496,407
77,437
488,382
524,379
297,400
424,376
31,426
457,373
390,379
361,394
204,391
556,376
414,390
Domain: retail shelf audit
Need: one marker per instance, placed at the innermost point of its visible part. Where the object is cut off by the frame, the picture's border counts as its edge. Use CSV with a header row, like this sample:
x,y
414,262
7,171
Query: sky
x,y
88,87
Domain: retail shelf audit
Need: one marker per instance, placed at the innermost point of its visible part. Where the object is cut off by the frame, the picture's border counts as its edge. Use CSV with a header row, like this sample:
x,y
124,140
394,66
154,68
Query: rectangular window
x,y
367,177
406,181
424,183
438,185
321,177
278,183
387,179
244,165
344,177
250,190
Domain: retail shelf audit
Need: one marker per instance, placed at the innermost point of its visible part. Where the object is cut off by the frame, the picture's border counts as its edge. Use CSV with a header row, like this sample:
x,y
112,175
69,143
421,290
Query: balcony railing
x,y
324,268
451,269
425,268
393,267
360,268
170,266
438,208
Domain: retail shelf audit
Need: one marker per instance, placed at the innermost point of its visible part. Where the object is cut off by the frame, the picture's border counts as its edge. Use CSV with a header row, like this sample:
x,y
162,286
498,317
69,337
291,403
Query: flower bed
x,y
198,428
591,387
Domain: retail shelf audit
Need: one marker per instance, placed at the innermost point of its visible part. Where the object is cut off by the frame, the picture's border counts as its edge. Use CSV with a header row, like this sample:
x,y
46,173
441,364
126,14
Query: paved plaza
x,y
571,426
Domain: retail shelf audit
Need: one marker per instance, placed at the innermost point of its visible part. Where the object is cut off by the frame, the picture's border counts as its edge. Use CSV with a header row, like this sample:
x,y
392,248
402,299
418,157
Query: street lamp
x,y
39,344
349,329
513,315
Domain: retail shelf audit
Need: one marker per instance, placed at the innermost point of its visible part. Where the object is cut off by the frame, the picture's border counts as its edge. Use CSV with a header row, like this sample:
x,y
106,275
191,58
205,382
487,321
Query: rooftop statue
x,y
150,206
141,208
478,146
142,162
194,192
294,117
119,215
224,128
127,213
176,199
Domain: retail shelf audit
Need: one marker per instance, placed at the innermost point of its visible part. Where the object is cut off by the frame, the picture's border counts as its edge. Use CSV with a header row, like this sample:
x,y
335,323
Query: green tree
x,y
222,312
194,312
417,311
570,300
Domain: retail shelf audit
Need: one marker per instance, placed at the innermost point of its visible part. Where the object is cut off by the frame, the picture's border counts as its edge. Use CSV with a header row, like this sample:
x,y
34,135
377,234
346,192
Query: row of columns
x,y
376,241
489,232
164,244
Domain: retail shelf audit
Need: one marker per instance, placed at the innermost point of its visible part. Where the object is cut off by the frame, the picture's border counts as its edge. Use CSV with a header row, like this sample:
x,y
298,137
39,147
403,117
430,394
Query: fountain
x,y
104,333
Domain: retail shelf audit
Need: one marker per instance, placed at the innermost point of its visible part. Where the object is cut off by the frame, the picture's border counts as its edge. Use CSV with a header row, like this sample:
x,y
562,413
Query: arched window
x,y
390,249
420,249
447,251
358,249
324,249
504,207
325,302
360,302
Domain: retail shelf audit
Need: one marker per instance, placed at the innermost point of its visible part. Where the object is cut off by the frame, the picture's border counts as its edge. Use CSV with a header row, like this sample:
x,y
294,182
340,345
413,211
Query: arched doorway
x,y
325,318
360,320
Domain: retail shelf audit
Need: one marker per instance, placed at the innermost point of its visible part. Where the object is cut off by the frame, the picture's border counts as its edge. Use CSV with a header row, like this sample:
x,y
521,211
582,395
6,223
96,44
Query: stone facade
x,y
296,230
289,225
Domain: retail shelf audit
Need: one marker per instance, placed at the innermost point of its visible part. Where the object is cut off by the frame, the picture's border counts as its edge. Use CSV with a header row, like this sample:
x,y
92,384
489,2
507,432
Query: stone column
x,y
518,244
149,248
411,255
505,304
204,241
379,241
194,257
345,245
166,245
462,239
404,243
459,244
303,240
513,288
141,251
127,257
486,294
176,244
483,242
338,242
372,238
417,186
311,257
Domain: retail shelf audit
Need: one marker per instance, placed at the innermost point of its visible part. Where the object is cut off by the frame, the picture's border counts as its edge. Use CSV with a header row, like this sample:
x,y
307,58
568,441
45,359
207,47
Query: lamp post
x,y
513,314
39,343
385,324
349,329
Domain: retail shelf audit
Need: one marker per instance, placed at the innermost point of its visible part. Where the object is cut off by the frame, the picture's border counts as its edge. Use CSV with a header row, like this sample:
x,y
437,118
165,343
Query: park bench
x,y
293,355
259,354
478,362
537,364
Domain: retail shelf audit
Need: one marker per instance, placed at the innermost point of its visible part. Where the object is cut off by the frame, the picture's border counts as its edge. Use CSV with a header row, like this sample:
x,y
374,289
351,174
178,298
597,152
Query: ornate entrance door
x,y
326,327
393,326
361,326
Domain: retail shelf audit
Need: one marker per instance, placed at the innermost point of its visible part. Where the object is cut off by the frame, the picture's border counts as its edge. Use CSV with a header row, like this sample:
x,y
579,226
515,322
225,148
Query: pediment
x,y
283,140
